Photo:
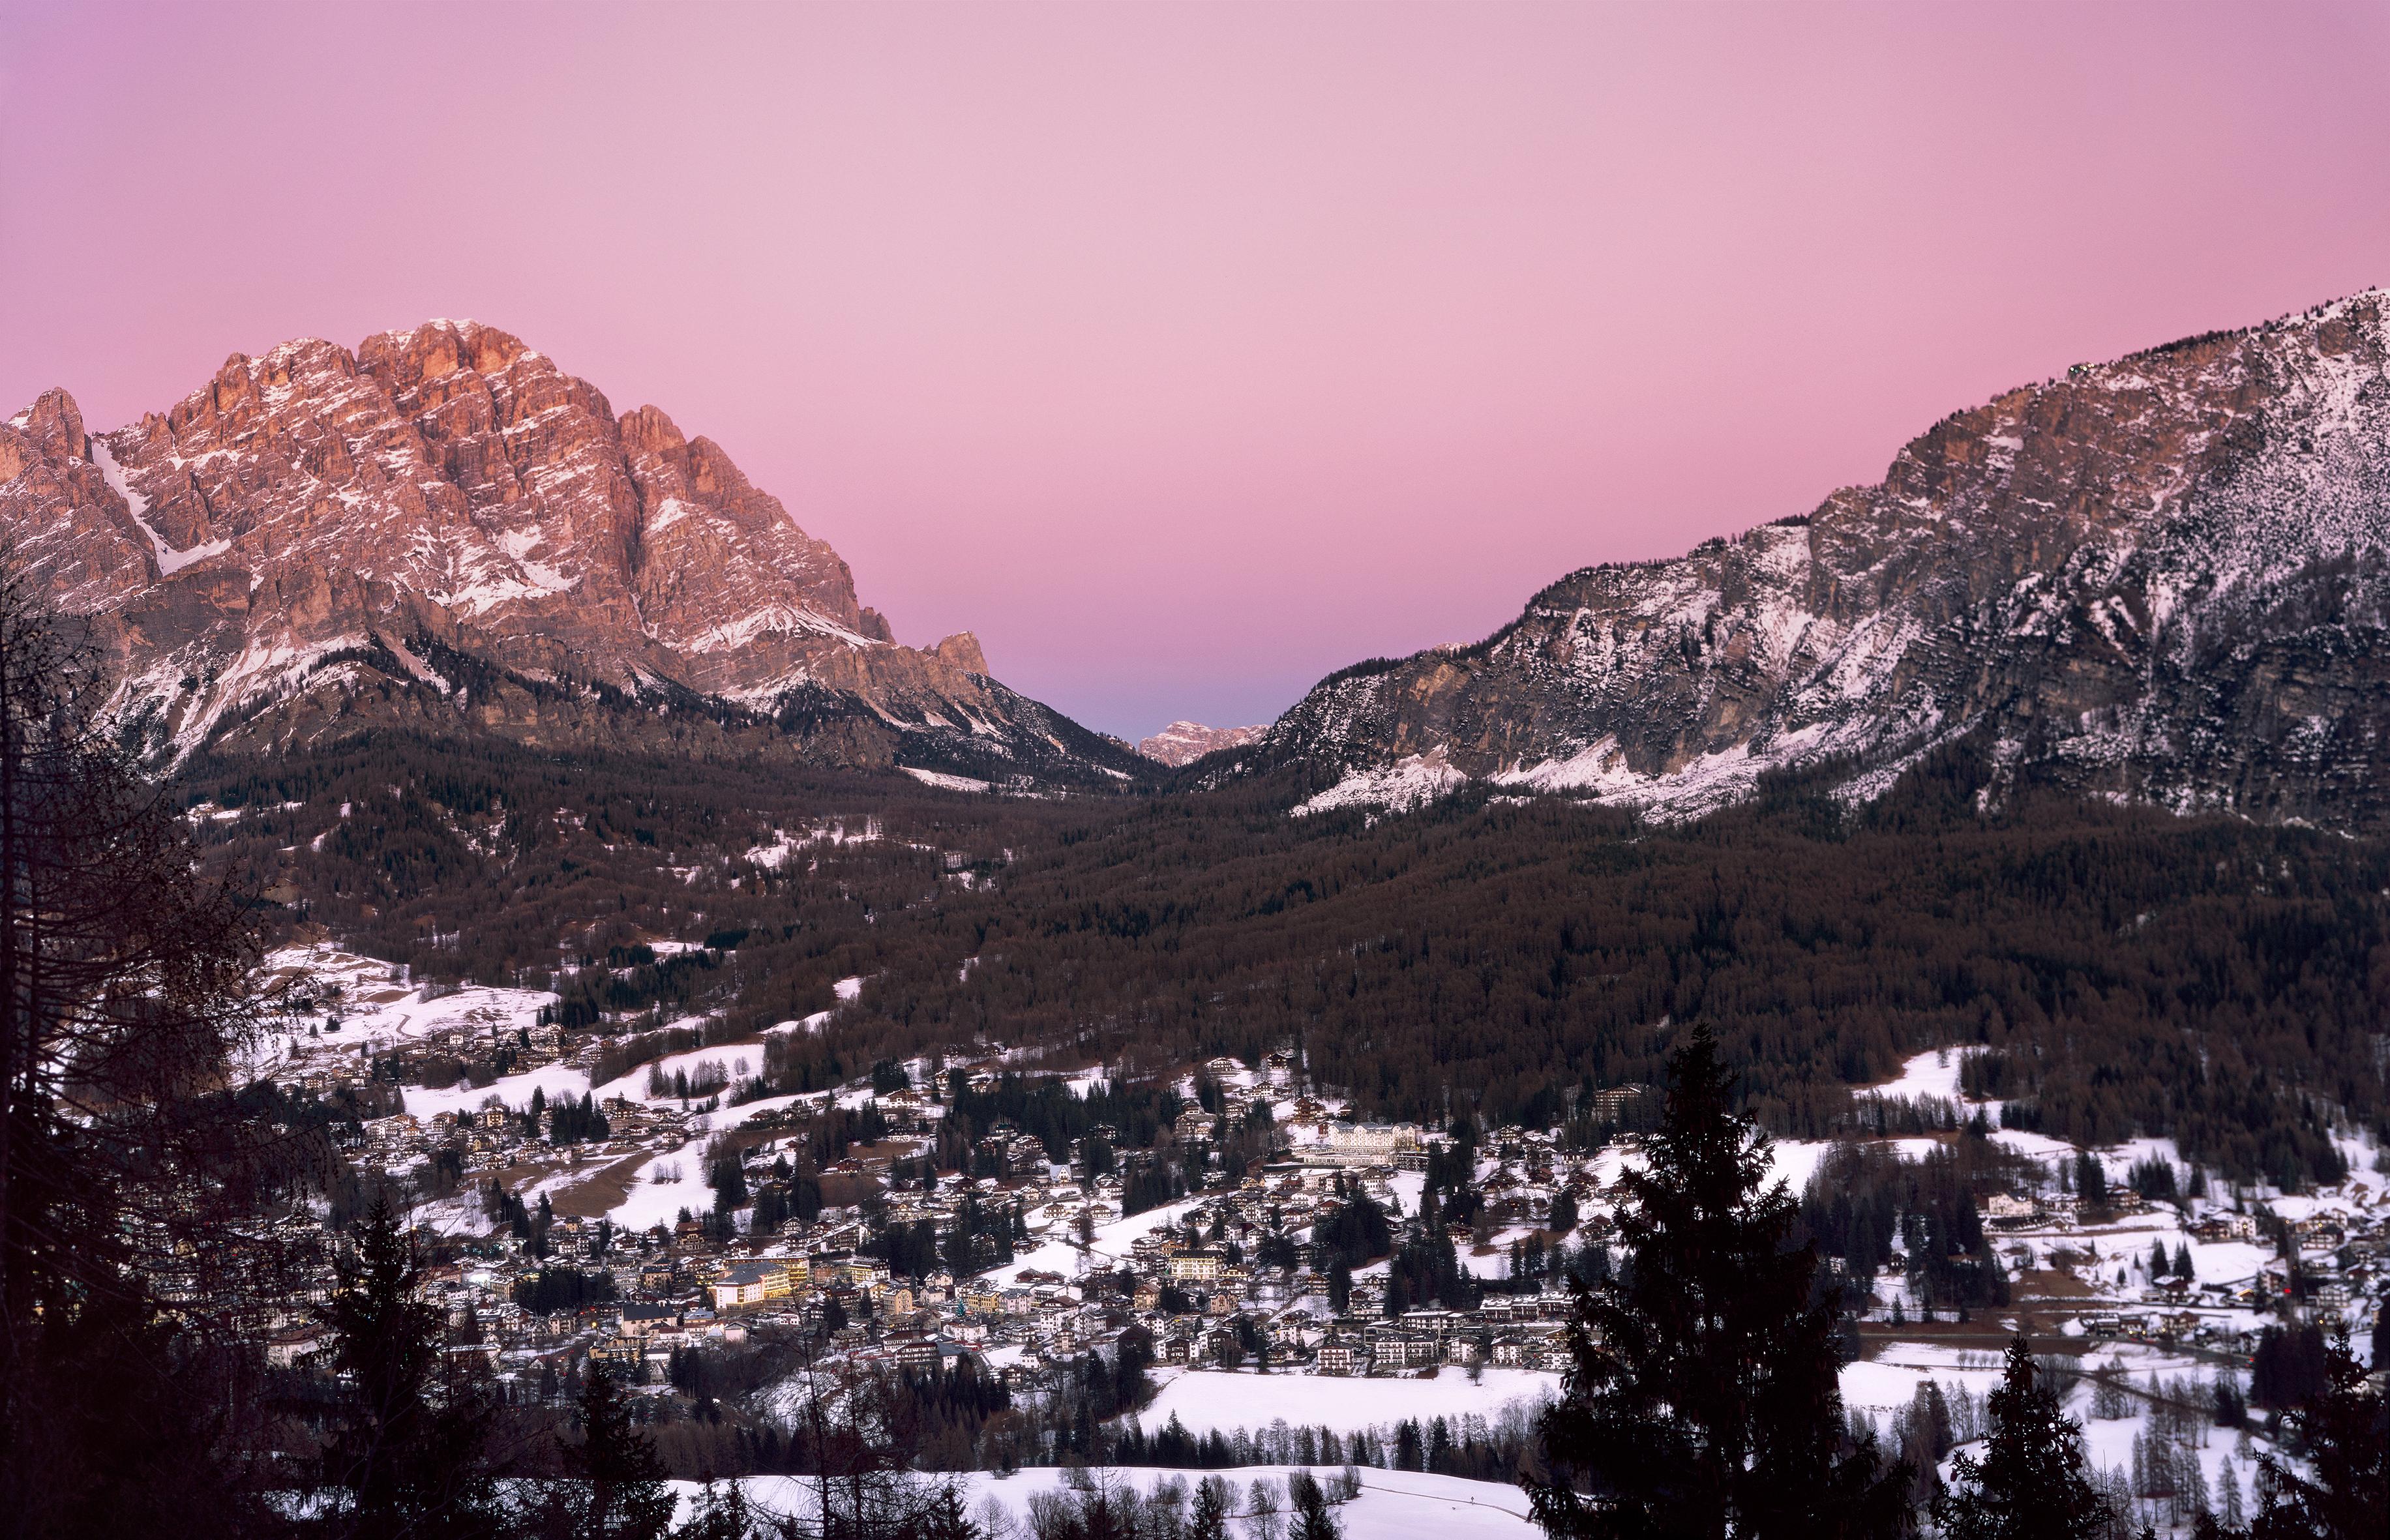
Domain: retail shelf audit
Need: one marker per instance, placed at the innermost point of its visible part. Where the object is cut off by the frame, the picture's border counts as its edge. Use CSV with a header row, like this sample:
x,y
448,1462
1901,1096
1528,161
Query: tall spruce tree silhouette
x,y
2344,1431
621,1476
125,990
2029,1484
1702,1400
412,1452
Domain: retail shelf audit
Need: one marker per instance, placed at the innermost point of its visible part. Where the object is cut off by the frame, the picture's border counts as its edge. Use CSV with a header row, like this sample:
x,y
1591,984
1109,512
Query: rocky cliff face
x,y
2157,580
1185,742
444,526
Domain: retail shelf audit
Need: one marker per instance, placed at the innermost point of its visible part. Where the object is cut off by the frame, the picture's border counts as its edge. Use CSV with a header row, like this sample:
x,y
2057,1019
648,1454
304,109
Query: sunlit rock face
x,y
2159,579
444,521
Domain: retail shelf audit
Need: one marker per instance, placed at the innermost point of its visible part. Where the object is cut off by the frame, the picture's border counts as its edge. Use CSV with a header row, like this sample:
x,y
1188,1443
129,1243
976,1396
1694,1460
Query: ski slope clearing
x,y
1925,1077
1204,1400
1886,1387
1796,1160
665,1185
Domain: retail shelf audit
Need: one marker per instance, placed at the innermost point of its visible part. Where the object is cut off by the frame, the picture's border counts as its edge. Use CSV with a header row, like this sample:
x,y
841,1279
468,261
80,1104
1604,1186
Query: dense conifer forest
x,y
2112,971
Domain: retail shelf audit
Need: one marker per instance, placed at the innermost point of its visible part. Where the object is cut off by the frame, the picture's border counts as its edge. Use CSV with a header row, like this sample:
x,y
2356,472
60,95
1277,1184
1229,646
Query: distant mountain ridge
x,y
446,530
2158,580
1185,742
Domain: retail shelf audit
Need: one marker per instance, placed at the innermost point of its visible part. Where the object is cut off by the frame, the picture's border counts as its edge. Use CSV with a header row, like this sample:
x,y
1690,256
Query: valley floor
x,y
1393,1504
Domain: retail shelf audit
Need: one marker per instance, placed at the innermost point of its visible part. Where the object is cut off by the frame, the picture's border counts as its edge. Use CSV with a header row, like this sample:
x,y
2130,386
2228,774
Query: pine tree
x,y
412,1454
2228,1499
2231,1406
943,1519
722,1513
2344,1430
2190,1483
2030,1484
617,1490
1209,1519
729,1183
2090,1180
1314,1519
1702,1400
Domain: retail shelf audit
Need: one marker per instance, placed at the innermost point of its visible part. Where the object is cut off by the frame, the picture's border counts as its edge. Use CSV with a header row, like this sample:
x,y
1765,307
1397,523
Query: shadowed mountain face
x,y
446,529
2157,580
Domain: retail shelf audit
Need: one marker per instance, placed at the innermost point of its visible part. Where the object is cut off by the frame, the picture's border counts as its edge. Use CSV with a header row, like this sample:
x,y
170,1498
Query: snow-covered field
x,y
1889,1382
1927,1077
1204,1400
552,1081
664,1186
1393,1504
1798,1160
377,1006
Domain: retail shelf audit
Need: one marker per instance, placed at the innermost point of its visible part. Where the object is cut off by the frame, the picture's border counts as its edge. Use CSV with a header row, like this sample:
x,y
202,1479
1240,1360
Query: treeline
x,y
978,1236
1476,1448
549,1289
1136,1115
2118,971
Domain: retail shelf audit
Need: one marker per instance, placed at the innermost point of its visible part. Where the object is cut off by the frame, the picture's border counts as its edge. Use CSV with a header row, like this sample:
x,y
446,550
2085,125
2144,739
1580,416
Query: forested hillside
x,y
2124,971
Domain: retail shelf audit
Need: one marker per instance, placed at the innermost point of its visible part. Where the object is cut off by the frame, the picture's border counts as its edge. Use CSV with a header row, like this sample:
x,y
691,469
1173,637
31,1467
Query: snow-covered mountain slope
x,y
2158,580
443,524
1185,742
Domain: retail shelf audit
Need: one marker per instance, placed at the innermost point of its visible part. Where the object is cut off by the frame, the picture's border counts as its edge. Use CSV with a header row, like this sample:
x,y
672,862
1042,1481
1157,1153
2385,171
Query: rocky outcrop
x,y
2165,580
443,524
1185,742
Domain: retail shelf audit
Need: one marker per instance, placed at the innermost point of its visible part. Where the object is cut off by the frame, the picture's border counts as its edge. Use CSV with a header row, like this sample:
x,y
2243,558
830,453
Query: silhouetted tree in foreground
x,y
1702,1400
2030,1484
412,1454
2345,1430
125,982
1314,1518
614,1485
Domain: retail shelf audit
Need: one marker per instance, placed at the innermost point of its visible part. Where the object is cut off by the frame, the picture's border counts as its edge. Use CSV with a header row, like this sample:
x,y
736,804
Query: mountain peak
x,y
2160,579
313,523
1185,742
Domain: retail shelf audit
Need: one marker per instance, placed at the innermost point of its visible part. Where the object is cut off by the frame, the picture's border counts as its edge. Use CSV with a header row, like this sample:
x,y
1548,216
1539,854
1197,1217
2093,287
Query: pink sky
x,y
1186,353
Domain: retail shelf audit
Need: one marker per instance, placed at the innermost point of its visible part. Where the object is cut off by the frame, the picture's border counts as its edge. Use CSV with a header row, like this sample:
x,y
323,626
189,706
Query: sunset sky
x,y
1186,354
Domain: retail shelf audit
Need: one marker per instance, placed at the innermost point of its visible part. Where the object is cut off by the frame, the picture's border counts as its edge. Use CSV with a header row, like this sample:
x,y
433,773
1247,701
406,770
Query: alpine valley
x,y
592,920
2063,741
538,1002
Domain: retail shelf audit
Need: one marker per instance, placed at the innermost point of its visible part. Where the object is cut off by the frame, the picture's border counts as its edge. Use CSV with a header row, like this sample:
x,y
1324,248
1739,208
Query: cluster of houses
x,y
1196,1287
1224,1282
2334,1269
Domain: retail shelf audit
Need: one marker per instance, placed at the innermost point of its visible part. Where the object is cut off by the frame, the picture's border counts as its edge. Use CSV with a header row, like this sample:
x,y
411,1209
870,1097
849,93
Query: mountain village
x,y
1025,1259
